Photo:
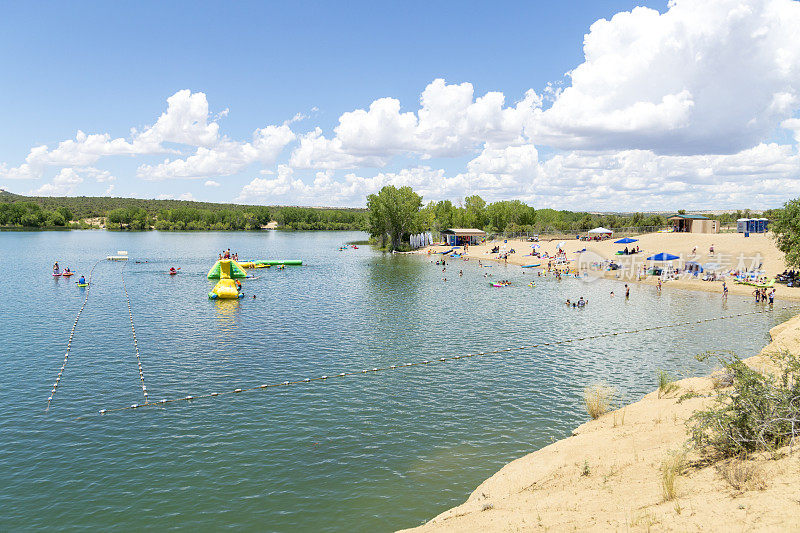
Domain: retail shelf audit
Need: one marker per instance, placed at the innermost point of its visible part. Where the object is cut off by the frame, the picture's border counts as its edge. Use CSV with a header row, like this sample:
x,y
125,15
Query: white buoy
x,y
306,380
134,406
285,383
102,411
214,394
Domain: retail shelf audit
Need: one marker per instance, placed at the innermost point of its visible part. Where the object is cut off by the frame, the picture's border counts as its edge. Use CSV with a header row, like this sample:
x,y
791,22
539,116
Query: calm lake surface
x,y
371,452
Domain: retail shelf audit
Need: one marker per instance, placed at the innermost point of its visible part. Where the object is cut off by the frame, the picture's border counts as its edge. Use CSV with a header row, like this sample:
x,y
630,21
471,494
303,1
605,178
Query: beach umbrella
x,y
663,256
626,240
535,246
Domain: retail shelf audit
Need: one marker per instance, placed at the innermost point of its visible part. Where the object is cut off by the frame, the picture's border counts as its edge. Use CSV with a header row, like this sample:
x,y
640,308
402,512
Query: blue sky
x,y
104,68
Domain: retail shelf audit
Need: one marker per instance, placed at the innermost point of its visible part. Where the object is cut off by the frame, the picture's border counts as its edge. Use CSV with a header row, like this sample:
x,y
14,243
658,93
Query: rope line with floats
x,y
424,362
71,335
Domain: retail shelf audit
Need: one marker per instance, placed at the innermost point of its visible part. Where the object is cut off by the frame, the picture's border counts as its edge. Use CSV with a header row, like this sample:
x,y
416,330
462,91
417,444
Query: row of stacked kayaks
x,y
228,272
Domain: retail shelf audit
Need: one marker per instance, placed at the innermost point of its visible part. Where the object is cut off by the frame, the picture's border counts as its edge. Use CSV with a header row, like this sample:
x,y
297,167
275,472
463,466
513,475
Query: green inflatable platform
x,y
275,262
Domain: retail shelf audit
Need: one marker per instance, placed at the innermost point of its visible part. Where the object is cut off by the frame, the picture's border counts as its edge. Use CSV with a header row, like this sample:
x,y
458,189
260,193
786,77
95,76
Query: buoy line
x,y
187,398
133,332
71,335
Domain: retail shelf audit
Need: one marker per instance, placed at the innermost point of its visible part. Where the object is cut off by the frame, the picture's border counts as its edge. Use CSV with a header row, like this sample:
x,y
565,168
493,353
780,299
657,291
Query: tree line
x,y
396,213
168,215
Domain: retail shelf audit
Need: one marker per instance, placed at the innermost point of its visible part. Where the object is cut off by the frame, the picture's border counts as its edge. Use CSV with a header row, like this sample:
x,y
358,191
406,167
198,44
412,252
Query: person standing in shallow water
x,y
627,291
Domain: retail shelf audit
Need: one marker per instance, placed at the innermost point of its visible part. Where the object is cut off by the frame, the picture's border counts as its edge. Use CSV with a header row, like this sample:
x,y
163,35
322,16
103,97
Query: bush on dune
x,y
759,412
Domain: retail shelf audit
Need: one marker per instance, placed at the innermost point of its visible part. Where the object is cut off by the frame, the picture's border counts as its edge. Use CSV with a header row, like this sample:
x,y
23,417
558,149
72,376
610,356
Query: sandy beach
x,y
732,250
607,476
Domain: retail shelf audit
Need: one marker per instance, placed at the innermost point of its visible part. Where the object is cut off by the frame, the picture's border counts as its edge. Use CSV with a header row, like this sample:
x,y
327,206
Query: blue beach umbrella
x,y
626,240
663,256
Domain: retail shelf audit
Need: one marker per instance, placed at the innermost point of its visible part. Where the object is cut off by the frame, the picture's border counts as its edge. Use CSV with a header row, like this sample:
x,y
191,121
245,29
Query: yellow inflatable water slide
x,y
226,271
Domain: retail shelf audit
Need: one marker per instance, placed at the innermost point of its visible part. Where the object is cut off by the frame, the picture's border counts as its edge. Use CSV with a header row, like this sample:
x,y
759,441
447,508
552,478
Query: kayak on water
x,y
67,274
82,284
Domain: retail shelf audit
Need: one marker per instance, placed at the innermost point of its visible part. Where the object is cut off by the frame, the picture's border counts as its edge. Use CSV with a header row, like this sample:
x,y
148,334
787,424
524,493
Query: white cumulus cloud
x,y
224,158
63,184
706,76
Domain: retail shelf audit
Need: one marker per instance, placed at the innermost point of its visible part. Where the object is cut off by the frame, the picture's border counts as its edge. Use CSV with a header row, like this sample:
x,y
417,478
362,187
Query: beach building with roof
x,y
462,236
694,224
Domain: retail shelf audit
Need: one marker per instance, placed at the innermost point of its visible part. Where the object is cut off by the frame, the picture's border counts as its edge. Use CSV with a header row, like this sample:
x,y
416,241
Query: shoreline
x,y
607,474
730,247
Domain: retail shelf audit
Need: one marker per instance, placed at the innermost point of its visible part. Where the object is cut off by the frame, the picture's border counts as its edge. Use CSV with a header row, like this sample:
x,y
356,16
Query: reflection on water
x,y
367,452
227,314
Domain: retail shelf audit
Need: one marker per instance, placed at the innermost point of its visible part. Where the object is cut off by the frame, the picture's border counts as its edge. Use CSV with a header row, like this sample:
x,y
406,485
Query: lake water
x,y
370,452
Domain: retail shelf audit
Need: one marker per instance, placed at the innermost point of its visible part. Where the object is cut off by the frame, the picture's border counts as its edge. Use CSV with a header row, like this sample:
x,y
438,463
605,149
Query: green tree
x,y
393,214
475,216
786,227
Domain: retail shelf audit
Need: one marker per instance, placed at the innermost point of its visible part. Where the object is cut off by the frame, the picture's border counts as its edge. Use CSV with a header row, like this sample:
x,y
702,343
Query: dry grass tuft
x,y
666,384
743,475
671,468
598,400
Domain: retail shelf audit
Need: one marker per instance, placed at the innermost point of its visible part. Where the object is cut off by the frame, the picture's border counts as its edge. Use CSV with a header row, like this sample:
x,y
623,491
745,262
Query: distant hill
x,y
136,213
98,206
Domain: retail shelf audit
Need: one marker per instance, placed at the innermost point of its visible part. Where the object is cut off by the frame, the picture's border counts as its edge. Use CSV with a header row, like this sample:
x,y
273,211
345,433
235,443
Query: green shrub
x,y
759,412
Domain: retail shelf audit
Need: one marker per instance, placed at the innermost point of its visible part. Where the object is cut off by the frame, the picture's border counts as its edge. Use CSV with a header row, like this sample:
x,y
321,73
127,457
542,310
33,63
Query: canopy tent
x,y
600,231
693,266
663,256
626,240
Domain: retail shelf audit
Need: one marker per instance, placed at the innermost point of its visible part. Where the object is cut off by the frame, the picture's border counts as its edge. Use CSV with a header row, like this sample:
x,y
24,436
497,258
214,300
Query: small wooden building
x,y
694,224
462,236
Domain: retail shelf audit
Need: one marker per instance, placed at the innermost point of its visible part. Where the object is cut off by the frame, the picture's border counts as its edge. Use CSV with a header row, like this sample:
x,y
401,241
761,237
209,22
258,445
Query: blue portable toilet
x,y
741,225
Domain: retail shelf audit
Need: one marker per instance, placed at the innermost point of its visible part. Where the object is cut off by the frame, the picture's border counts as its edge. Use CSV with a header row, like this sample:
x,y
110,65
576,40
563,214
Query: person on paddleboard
x,y
55,268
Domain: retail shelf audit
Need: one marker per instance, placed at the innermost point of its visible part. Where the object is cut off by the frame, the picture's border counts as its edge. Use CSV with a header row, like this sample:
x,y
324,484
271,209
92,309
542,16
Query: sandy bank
x,y
607,476
730,249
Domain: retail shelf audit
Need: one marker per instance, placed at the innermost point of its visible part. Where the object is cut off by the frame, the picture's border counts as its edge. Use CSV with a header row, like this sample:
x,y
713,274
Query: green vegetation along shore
x,y
166,215
393,212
